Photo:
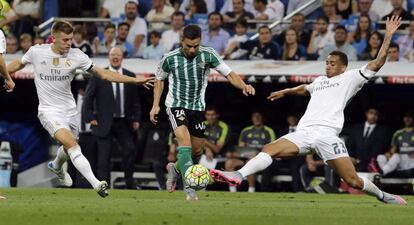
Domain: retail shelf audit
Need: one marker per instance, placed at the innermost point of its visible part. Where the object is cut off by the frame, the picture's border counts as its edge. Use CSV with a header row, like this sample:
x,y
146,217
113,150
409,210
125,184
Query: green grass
x,y
74,206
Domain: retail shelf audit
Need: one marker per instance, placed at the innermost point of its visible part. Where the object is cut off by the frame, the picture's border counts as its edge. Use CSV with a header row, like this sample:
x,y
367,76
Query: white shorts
x,y
320,140
52,122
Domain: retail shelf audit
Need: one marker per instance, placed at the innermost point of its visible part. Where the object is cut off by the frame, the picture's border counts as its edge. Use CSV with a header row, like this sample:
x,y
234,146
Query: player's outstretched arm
x,y
8,81
158,88
237,82
390,28
298,90
112,76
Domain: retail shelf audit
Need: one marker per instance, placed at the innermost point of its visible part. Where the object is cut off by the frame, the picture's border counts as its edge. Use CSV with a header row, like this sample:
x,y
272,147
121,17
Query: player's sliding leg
x,y
279,148
345,169
79,160
55,166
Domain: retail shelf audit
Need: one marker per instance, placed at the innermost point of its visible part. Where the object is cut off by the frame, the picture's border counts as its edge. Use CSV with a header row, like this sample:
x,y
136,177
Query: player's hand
x,y
147,82
392,24
9,85
154,114
248,90
276,95
94,122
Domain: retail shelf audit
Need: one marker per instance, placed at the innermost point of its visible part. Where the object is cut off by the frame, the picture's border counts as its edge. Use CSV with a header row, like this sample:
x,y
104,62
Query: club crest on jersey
x,y
55,61
68,63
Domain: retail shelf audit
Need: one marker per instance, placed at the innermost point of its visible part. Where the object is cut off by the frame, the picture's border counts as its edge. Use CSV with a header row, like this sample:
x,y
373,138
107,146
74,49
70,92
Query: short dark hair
x,y
324,18
215,13
178,13
299,14
340,27
242,22
62,26
124,24
108,26
264,27
342,57
192,32
394,45
211,108
262,1
79,29
155,33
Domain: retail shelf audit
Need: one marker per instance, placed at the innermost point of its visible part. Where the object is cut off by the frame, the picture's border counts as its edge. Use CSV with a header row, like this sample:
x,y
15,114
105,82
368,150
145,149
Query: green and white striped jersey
x,y
187,78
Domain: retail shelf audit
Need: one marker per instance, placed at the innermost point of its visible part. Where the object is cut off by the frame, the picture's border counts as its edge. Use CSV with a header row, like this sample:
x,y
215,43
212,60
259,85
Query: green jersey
x,y
188,77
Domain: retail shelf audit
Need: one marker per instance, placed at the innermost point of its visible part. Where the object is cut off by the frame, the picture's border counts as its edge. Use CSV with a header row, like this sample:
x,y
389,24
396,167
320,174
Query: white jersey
x,y
53,75
329,97
2,43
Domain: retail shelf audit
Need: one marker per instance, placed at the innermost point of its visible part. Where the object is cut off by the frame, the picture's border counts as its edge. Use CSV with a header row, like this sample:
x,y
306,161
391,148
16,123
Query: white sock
x,y
260,162
82,165
61,158
232,189
371,189
251,189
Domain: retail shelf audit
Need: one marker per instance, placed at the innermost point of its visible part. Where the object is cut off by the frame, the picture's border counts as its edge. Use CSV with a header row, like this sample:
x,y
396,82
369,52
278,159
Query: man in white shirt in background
x,y
137,35
172,36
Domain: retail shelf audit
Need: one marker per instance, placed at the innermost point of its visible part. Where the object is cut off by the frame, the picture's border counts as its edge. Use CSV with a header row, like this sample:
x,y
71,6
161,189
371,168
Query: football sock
x,y
82,165
371,189
61,158
258,163
184,160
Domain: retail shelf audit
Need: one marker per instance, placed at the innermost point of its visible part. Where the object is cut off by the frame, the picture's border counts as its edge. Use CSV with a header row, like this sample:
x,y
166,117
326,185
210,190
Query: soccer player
x,y
8,82
54,66
187,69
319,127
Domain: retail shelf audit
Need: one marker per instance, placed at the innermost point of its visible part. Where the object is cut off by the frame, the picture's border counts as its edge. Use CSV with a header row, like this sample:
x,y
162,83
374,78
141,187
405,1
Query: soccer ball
x,y
197,177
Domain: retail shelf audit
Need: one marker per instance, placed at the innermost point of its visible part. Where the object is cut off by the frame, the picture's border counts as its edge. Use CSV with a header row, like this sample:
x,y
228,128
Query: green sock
x,y
184,160
196,158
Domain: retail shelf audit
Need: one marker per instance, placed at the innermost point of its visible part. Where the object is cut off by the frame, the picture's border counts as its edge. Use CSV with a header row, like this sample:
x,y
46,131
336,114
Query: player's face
x,y
334,66
115,57
372,116
190,47
62,41
211,116
408,121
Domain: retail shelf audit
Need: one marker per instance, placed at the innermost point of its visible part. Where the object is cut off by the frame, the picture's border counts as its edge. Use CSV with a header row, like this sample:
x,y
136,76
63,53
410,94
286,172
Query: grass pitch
x,y
75,206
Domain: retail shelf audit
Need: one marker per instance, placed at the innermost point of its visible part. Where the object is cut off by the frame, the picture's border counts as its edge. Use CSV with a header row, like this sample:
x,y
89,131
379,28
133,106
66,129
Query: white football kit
x,y
319,127
53,74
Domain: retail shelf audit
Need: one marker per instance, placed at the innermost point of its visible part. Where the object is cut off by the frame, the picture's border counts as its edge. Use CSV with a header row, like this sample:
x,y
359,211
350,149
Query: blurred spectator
x,y
114,111
11,44
6,13
210,5
172,36
80,42
298,23
239,37
263,48
228,6
137,27
315,166
346,8
268,11
24,16
329,10
394,54
195,7
359,38
38,40
155,50
373,47
160,13
215,36
340,45
292,50
114,8
217,137
364,7
293,5
399,162
398,10
406,43
230,17
121,39
320,37
384,7
103,47
252,139
26,41
367,140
